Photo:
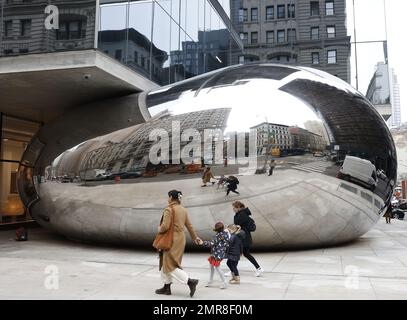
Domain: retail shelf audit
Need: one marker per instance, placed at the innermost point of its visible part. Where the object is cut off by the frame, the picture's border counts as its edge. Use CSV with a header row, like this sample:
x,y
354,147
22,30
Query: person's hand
x,y
198,241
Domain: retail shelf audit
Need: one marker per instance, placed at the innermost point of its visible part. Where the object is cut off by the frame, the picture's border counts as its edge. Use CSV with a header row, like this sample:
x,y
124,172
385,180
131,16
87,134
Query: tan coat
x,y
172,258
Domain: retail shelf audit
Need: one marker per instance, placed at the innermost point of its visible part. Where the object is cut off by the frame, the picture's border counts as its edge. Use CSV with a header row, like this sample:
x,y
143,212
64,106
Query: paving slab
x,y
51,267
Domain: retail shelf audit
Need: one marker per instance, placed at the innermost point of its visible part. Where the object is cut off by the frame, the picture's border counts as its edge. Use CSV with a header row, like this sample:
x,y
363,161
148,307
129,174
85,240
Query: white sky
x,y
370,26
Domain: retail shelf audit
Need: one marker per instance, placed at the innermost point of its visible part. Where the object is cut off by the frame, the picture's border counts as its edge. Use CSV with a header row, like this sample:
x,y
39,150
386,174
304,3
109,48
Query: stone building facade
x,y
298,32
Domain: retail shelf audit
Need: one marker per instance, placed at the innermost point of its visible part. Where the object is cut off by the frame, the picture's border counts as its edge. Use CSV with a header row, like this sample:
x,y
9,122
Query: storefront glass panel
x,y
15,136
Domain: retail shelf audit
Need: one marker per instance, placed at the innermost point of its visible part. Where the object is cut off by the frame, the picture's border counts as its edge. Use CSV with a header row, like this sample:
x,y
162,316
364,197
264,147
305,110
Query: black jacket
x,y
241,218
236,245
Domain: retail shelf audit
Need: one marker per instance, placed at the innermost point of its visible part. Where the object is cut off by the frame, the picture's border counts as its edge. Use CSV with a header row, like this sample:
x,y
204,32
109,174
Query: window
x,y
254,38
315,58
281,36
8,28
270,37
241,59
75,29
292,36
254,14
329,8
270,13
23,50
25,27
314,33
331,56
244,37
330,31
291,10
243,15
314,8
118,54
142,61
70,30
136,57
281,12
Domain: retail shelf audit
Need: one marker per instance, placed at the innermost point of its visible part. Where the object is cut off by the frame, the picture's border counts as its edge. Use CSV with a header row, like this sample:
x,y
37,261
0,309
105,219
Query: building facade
x,y
302,32
395,119
384,93
378,92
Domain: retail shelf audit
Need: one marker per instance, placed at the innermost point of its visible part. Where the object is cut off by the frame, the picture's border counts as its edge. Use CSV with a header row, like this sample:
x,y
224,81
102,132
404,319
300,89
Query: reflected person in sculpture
x,y
170,261
207,176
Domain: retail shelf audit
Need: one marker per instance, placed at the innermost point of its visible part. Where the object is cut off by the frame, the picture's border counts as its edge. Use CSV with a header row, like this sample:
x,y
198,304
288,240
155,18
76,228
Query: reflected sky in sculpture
x,y
335,172
260,106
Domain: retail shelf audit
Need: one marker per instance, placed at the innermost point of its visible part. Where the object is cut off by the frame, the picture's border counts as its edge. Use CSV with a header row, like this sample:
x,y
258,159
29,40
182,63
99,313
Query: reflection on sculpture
x,y
334,165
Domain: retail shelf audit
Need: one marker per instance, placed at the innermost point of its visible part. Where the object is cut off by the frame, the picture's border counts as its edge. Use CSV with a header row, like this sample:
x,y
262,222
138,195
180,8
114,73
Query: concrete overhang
x,y
384,109
41,87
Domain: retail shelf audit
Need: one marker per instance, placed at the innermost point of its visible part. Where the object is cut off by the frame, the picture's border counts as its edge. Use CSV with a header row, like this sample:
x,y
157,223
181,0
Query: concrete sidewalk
x,y
374,267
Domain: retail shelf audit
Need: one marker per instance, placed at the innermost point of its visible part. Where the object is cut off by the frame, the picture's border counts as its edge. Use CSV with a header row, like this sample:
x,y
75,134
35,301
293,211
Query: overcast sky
x,y
370,26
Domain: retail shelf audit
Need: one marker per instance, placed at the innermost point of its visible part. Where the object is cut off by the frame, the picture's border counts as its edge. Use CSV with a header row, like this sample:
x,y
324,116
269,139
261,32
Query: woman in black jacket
x,y
241,218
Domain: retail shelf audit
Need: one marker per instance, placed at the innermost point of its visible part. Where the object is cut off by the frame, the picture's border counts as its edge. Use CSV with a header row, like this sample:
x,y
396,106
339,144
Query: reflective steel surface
x,y
334,160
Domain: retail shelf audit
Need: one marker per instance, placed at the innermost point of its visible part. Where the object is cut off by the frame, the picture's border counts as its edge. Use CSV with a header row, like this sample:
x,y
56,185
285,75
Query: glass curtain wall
x,y
15,134
165,40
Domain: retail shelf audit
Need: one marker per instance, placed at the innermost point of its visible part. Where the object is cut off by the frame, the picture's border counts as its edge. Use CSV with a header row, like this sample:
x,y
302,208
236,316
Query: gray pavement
x,y
50,267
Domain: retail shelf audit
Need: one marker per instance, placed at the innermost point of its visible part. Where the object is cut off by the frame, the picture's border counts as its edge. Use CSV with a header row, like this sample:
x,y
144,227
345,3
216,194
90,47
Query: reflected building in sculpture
x,y
131,154
272,135
306,140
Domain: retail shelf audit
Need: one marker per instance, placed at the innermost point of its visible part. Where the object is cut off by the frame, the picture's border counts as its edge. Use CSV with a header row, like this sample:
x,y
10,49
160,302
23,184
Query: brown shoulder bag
x,y
163,241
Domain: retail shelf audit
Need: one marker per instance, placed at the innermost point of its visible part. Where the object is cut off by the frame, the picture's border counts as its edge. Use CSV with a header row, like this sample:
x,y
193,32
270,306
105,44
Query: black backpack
x,y
251,225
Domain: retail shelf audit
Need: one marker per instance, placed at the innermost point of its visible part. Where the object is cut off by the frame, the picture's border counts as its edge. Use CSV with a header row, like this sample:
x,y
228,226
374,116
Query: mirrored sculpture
x,y
316,163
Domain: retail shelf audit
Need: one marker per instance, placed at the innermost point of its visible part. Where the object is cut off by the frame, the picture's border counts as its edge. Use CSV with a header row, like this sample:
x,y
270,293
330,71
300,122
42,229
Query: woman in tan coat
x,y
170,261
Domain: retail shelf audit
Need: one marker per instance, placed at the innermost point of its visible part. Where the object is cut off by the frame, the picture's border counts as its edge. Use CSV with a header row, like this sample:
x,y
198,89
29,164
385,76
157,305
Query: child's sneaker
x,y
258,272
224,285
228,274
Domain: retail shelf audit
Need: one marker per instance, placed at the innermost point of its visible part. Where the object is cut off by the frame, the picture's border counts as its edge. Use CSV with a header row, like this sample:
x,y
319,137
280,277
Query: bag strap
x,y
172,215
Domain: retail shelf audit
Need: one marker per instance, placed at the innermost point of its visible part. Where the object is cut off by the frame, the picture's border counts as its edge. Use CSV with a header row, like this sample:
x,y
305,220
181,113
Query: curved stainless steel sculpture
x,y
102,173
